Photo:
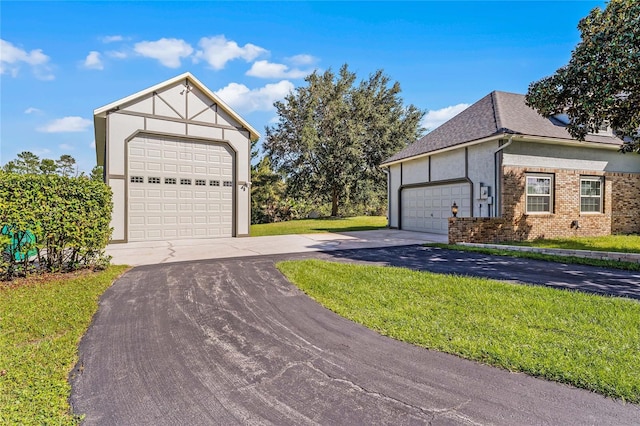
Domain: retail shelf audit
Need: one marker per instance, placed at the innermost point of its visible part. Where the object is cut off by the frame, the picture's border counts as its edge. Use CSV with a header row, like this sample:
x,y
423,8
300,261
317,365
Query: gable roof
x,y
496,114
100,114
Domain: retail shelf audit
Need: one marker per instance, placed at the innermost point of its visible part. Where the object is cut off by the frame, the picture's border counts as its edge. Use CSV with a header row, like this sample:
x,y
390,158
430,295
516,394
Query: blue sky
x,y
61,60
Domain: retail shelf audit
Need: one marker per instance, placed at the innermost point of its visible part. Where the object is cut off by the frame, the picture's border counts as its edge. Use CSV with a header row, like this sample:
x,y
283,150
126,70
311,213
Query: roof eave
x,y
570,142
520,137
103,111
449,148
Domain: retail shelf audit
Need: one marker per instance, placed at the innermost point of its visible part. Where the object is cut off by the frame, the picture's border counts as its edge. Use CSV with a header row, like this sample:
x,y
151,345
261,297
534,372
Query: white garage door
x,y
179,189
427,209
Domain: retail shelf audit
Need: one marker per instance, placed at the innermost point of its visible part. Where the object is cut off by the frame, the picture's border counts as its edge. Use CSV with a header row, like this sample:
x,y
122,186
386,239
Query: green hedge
x,y
67,217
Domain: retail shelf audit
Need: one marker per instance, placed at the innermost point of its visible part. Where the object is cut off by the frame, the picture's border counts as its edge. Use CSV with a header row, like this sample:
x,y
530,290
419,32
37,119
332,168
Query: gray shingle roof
x,y
497,113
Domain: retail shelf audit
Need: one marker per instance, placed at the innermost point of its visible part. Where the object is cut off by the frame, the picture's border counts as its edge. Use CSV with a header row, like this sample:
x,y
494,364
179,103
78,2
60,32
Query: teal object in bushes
x,y
18,241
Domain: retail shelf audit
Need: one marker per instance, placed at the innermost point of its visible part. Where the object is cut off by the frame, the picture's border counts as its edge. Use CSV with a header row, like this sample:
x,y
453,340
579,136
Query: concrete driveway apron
x,y
154,252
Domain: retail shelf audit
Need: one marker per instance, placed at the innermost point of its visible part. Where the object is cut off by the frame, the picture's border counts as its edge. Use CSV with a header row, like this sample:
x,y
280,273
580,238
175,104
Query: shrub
x,y
52,223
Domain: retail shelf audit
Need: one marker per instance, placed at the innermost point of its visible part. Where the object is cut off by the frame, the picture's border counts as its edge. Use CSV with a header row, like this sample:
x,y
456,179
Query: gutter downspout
x,y
497,205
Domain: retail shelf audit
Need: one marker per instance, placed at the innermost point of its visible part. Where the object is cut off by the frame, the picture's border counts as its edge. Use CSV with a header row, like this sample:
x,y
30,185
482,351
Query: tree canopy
x,y
601,83
333,133
27,163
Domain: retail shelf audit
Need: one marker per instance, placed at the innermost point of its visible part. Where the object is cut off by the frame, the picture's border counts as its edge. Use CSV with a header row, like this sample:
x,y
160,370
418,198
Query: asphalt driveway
x,y
232,342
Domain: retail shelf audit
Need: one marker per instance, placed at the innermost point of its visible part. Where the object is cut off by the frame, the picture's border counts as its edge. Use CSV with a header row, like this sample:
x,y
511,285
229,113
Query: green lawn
x,y
41,324
616,243
314,226
589,341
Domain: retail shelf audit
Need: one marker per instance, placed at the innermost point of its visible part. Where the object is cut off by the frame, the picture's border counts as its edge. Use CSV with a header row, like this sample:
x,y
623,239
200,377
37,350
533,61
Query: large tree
x,y
67,165
333,133
48,166
601,83
27,163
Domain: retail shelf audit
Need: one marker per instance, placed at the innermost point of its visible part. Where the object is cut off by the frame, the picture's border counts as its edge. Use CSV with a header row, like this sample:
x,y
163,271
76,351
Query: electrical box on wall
x,y
484,192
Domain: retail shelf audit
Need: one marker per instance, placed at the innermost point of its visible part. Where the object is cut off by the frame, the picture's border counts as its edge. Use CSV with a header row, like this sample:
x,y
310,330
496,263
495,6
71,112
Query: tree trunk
x,y
334,202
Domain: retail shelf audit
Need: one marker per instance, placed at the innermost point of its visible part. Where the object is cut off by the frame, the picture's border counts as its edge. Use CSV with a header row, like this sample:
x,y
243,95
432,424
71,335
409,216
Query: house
x,y
177,159
513,175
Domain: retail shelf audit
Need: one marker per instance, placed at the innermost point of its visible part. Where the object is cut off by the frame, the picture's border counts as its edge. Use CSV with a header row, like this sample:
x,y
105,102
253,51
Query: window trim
x,y
599,179
551,194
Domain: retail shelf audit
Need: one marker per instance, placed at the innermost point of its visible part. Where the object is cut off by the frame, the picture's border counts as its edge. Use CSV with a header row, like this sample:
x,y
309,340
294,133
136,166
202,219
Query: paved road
x,y
231,342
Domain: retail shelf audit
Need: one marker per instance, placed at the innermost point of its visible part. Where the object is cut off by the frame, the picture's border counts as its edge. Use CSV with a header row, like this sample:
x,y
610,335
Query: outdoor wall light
x,y
454,209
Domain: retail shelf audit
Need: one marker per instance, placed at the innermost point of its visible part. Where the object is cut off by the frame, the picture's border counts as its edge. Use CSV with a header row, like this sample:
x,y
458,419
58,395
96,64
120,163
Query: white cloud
x,y
66,124
93,144
434,118
93,61
117,54
169,51
112,39
266,69
302,59
217,51
66,147
32,110
11,58
243,99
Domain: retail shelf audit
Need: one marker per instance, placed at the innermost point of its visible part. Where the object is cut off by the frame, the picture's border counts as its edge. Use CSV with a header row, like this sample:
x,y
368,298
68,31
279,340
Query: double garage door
x,y
179,189
428,208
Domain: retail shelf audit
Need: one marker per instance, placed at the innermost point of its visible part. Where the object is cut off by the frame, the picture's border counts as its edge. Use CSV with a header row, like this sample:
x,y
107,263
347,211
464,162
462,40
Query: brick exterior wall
x,y
625,205
621,209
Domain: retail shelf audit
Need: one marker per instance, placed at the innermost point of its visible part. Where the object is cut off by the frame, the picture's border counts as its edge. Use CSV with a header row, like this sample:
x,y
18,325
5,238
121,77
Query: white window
x,y
590,195
539,193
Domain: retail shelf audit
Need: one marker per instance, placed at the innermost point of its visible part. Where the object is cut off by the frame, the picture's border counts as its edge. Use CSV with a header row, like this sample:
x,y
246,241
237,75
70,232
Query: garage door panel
x,y
188,195
135,166
427,209
154,220
169,154
137,221
166,234
136,235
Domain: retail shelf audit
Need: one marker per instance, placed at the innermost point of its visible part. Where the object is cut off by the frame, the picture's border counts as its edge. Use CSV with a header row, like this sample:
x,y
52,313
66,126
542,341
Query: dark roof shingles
x,y
496,113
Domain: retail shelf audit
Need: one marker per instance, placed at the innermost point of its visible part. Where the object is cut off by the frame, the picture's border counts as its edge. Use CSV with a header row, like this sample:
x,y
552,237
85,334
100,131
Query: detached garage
x,y
178,161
